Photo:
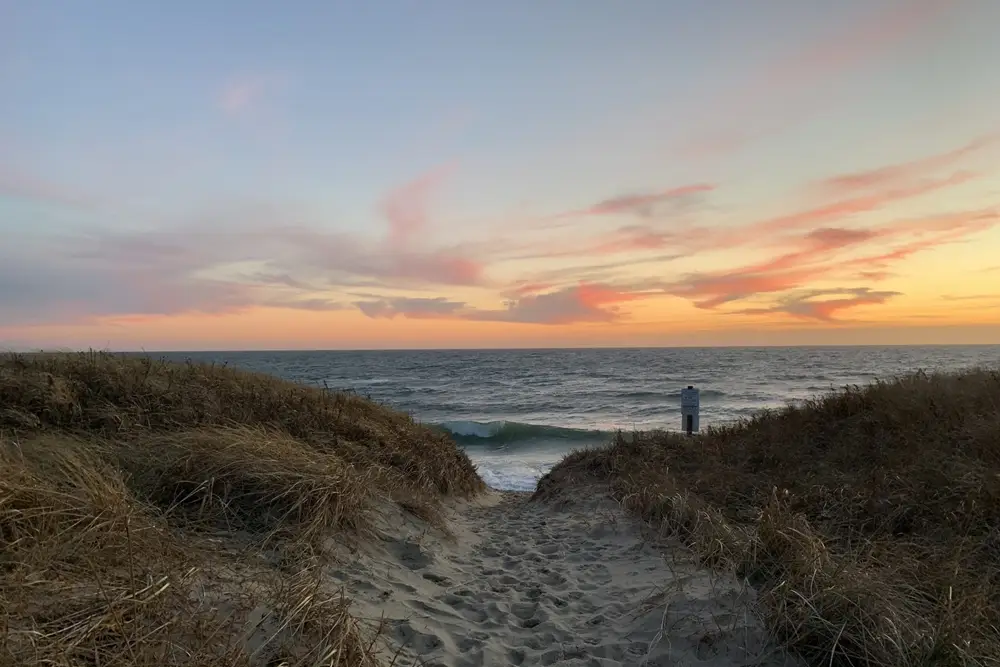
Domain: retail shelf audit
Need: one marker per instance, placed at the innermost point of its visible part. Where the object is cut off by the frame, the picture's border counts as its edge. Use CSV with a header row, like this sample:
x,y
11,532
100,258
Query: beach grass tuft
x,y
868,519
158,513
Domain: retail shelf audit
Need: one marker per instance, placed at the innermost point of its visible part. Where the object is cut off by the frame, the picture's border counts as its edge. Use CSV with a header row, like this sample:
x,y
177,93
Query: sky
x,y
454,174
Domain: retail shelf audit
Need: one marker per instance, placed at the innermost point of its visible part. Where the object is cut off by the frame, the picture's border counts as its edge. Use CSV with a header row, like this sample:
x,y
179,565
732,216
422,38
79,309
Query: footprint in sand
x,y
437,579
409,554
525,583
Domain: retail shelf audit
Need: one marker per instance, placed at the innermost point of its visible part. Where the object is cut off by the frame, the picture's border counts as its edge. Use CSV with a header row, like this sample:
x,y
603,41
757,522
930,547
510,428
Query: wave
x,y
499,433
704,393
651,393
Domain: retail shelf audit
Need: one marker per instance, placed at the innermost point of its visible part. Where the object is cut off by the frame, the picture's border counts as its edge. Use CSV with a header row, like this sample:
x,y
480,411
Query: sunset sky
x,y
459,173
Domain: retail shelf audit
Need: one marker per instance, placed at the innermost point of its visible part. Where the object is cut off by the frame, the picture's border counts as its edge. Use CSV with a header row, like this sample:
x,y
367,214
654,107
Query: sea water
x,y
518,412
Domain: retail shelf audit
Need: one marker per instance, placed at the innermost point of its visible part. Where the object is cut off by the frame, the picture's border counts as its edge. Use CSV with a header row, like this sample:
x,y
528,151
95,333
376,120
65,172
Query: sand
x,y
532,583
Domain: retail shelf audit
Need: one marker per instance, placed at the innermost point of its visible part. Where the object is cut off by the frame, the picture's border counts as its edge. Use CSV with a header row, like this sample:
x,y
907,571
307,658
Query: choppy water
x,y
517,412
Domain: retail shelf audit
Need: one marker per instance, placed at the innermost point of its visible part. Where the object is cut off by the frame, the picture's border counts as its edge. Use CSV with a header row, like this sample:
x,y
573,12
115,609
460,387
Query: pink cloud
x,y
893,175
817,258
859,44
814,67
639,204
406,208
825,309
939,231
241,94
439,267
861,204
119,273
298,267
709,291
22,185
581,303
838,237
409,224
571,305
628,239
899,183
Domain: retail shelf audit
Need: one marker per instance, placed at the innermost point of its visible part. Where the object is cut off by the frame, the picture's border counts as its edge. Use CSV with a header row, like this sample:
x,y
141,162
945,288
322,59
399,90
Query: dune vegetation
x,y
868,520
154,513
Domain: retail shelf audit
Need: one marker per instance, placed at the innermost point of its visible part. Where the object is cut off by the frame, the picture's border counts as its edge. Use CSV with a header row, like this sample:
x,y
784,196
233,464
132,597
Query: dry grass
x,y
178,514
869,519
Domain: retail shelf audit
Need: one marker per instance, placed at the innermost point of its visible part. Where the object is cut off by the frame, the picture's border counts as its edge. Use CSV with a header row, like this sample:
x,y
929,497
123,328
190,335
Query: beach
x,y
156,513
578,582
517,413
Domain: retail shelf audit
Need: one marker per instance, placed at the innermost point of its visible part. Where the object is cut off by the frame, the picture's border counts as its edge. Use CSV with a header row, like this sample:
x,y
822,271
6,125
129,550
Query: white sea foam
x,y
509,473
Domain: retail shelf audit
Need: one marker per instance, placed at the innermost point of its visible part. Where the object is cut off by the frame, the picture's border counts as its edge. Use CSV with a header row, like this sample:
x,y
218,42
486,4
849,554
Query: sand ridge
x,y
532,583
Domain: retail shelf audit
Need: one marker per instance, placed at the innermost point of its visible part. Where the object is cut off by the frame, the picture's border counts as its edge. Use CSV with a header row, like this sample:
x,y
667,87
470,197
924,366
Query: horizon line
x,y
495,349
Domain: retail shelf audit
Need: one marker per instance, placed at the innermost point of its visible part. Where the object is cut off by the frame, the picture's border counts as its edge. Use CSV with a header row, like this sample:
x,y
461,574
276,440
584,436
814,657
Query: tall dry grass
x,y
154,513
868,519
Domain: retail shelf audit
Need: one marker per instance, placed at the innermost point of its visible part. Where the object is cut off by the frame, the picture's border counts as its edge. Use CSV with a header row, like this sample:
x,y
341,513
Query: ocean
x,y
518,412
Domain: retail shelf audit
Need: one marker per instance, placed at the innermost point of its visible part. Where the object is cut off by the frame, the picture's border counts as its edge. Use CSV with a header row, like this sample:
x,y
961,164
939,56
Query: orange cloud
x,y
817,258
572,305
230,267
411,307
814,304
816,238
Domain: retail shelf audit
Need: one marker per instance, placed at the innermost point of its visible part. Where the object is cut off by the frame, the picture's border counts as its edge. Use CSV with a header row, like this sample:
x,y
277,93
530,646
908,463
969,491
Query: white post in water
x,y
689,409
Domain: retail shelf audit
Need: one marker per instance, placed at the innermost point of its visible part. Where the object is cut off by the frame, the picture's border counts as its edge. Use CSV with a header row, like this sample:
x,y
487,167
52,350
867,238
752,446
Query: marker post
x,y
690,403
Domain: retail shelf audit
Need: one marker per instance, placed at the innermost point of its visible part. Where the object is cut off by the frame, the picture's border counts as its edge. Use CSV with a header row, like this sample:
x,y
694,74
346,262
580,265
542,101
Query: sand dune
x,y
532,583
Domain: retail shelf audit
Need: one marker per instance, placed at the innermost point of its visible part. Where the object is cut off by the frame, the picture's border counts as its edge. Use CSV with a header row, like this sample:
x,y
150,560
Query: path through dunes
x,y
531,583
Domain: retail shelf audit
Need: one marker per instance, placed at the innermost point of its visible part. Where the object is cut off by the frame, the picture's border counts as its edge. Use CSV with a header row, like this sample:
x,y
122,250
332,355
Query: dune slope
x,y
179,514
868,519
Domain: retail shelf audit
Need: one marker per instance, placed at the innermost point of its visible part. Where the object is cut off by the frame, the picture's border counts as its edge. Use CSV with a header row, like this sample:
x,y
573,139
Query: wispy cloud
x,y
571,305
582,303
644,205
776,96
820,255
227,265
242,93
407,268
38,290
820,242
992,296
823,304
22,185
864,203
411,307
904,172
406,209
836,202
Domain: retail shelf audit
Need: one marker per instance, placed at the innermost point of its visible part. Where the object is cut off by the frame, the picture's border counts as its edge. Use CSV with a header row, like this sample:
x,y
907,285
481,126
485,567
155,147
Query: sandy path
x,y
528,583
